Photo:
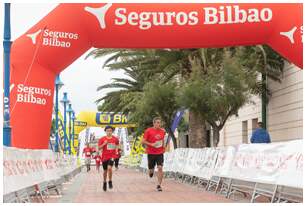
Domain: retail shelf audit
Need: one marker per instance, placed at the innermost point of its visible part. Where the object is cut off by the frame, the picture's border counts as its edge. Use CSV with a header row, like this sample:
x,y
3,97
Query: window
x,y
254,123
245,132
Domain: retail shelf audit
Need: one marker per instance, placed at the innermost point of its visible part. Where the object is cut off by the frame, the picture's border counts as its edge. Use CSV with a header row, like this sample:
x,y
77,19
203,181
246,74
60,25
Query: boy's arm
x,y
102,145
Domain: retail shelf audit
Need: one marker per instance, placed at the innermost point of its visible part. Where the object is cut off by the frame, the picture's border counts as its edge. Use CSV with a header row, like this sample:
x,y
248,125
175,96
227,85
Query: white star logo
x,y
99,13
33,36
289,34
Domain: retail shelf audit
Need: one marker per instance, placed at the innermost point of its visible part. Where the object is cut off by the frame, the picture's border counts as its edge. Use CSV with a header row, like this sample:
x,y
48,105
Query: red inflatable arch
x,y
71,29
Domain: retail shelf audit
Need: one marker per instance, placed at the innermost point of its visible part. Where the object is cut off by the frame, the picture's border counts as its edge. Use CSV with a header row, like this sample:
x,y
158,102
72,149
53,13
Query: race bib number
x,y
158,144
87,153
111,146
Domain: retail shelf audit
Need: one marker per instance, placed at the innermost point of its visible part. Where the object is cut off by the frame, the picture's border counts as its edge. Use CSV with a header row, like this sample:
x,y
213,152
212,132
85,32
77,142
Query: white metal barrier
x,y
23,168
276,163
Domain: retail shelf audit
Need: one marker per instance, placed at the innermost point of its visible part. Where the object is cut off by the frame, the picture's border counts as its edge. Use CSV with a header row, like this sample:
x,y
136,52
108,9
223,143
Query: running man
x,y
87,151
155,147
98,159
109,146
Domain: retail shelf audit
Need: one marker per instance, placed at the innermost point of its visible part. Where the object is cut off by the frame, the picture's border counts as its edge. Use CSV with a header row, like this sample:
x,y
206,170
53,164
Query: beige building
x,y
284,112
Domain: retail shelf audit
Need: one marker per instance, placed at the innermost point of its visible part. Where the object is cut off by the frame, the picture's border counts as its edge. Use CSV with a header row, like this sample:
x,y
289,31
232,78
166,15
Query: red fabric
x,y
87,151
93,150
119,153
153,135
108,150
98,159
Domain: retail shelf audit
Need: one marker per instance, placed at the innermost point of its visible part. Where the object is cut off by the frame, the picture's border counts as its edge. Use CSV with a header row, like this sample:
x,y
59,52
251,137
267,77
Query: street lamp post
x,y
73,119
65,101
58,85
69,110
6,60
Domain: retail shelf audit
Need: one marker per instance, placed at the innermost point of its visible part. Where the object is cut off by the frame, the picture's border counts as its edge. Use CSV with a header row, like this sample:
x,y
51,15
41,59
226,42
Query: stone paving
x,y
131,186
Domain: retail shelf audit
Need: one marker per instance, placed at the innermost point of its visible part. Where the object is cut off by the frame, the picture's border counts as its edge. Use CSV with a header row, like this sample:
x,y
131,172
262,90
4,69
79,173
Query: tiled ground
x,y
131,186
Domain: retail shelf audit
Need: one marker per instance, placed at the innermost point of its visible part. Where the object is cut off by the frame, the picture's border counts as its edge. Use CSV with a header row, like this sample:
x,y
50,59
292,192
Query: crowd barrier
x,y
279,164
24,168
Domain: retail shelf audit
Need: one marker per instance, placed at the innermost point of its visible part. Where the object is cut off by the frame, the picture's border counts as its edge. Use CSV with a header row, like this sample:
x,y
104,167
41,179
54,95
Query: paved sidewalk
x,y
131,186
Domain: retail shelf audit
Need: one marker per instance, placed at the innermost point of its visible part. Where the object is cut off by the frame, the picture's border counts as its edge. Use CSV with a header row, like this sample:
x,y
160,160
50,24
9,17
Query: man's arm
x,y
145,141
252,137
269,139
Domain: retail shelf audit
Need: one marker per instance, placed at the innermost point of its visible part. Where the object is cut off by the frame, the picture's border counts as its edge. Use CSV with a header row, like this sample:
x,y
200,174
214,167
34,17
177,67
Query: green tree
x,y
217,95
158,100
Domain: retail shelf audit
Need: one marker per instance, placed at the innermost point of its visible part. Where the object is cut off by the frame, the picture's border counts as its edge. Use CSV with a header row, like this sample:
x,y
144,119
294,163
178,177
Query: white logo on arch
x,y
99,13
33,36
289,34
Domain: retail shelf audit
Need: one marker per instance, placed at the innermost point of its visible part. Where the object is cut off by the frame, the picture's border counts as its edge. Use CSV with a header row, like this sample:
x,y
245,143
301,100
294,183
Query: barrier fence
x,y
23,168
275,163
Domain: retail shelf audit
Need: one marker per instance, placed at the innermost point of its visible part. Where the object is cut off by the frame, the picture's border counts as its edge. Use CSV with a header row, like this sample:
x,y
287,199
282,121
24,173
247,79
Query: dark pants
x,y
106,163
88,161
117,162
155,159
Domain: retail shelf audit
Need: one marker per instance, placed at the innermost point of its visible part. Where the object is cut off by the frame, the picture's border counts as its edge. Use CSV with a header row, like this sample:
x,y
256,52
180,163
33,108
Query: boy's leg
x,y
104,164
110,173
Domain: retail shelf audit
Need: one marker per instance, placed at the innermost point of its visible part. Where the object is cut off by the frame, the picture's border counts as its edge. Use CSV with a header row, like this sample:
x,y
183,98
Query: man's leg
x,y
151,165
159,174
160,162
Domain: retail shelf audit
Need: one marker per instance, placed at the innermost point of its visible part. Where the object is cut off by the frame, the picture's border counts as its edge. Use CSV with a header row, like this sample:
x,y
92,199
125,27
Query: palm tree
x,y
135,64
141,66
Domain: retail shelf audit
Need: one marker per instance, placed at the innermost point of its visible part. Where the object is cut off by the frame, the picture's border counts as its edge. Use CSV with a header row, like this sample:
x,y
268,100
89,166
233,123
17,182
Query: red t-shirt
x,y
119,153
98,159
156,136
109,150
93,150
87,151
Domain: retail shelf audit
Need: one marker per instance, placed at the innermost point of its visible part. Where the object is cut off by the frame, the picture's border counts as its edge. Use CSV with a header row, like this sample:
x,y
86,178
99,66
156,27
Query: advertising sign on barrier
x,y
224,161
24,168
275,163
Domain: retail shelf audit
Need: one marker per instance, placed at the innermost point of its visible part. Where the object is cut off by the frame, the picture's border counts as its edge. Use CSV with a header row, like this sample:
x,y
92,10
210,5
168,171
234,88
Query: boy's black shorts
x,y
155,159
106,163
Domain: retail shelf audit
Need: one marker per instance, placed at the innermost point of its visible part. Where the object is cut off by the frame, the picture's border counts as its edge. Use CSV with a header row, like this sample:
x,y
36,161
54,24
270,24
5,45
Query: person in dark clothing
x,y
260,135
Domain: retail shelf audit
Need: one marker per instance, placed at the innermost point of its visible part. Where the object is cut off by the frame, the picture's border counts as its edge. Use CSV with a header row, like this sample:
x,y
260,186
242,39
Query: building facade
x,y
284,112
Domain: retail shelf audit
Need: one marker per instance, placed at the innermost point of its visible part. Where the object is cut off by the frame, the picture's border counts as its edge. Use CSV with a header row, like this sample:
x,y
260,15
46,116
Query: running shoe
x,y
104,186
159,188
110,185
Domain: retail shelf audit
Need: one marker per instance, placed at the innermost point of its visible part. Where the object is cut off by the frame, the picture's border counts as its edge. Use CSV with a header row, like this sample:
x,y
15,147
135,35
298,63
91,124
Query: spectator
x,y
260,135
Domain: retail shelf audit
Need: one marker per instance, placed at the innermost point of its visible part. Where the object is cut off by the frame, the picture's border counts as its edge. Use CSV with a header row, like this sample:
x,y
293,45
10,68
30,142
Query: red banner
x,y
71,29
